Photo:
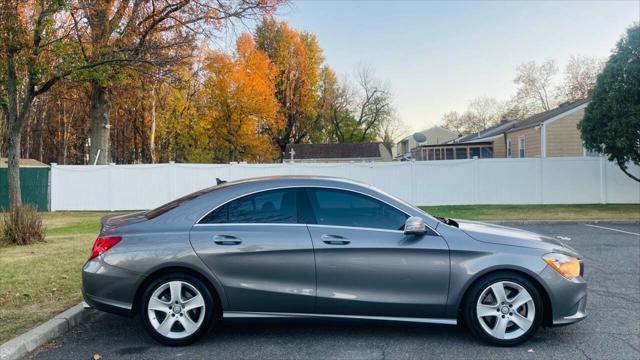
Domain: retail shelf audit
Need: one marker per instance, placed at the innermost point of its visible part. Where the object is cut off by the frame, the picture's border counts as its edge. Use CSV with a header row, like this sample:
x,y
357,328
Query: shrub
x,y
21,225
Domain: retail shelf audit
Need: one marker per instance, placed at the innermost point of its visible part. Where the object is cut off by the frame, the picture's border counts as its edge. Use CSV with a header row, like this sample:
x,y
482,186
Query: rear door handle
x,y
334,239
226,240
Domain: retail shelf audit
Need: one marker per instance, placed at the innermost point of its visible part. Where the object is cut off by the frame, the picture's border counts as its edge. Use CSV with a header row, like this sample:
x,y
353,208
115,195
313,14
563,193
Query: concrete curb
x,y
29,341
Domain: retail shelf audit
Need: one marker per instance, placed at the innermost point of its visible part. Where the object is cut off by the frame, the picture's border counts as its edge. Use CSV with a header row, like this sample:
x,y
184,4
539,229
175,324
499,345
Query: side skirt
x,y
246,314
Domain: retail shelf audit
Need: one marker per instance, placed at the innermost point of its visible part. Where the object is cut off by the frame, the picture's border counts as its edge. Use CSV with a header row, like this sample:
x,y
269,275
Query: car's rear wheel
x,y
177,309
504,309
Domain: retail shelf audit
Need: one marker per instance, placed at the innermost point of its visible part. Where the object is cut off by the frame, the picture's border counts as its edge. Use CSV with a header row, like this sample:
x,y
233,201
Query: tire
x,y
177,320
518,310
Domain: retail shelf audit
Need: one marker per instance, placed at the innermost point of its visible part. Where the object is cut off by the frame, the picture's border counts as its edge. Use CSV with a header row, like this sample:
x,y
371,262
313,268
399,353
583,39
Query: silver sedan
x,y
326,247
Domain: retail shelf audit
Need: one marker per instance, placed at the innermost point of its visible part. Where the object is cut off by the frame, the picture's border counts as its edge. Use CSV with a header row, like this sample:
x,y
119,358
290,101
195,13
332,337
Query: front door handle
x,y
226,240
334,239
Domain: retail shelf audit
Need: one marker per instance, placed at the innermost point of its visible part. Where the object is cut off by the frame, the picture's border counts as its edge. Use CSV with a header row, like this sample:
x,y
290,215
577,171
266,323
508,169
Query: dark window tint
x,y
275,206
345,208
461,153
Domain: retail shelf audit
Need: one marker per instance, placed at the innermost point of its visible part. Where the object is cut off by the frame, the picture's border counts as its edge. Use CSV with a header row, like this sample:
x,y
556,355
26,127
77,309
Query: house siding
x,y
531,142
563,136
499,148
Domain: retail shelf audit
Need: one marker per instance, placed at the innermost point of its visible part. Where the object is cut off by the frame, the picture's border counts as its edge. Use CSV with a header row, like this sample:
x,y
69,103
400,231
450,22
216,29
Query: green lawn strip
x,y
41,280
538,212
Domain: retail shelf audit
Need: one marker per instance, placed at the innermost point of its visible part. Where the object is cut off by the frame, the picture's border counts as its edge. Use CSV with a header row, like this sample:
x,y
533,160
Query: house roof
x,y
538,119
23,163
497,129
336,151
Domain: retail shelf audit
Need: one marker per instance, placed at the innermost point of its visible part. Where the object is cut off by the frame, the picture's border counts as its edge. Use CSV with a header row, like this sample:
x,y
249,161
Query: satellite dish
x,y
419,137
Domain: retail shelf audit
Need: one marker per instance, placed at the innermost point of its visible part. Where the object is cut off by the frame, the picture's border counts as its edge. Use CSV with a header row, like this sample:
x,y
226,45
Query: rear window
x,y
177,202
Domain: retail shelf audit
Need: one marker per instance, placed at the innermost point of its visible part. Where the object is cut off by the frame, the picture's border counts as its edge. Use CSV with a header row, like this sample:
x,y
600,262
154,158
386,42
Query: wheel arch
x,y
547,319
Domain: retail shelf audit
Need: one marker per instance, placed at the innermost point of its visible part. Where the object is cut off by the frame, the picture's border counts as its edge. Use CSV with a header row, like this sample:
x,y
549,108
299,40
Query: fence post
x,y
172,181
603,180
476,179
50,187
412,176
110,170
540,180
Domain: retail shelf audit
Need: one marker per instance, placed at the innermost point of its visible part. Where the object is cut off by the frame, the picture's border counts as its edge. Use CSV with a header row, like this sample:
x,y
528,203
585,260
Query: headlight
x,y
567,266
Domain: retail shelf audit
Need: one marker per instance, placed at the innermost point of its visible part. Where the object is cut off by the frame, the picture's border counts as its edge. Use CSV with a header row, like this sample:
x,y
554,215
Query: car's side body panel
x,y
271,269
380,272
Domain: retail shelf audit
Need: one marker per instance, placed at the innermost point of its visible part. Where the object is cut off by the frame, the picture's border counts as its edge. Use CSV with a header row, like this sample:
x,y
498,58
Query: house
x,y
347,152
487,143
434,135
553,133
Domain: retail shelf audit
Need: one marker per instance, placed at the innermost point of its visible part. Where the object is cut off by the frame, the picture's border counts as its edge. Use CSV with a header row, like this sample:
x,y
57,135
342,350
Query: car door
x,y
367,266
259,252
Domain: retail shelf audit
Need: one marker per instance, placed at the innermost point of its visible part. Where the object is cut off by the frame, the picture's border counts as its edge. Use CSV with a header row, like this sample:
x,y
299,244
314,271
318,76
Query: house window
x,y
486,152
509,148
521,146
461,153
474,152
449,153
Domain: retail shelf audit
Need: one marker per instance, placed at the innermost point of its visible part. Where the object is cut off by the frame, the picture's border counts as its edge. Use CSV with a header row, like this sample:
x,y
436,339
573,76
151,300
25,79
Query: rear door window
x,y
273,206
346,208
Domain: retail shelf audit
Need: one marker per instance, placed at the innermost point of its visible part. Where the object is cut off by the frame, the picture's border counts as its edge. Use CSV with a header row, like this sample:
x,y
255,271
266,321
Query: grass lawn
x,y
39,281
538,212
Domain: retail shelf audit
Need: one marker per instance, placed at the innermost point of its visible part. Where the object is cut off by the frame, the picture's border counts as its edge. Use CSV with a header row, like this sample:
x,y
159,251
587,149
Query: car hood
x,y
504,235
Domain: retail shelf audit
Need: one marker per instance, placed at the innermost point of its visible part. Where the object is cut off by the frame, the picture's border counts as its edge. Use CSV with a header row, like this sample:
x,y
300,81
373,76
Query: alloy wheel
x,y
176,309
505,310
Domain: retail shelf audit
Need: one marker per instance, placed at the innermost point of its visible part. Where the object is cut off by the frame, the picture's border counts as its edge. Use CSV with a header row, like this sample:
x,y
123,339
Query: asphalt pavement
x,y
611,331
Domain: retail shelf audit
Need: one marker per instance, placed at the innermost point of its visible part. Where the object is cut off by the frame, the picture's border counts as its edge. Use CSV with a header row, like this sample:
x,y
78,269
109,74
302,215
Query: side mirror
x,y
415,226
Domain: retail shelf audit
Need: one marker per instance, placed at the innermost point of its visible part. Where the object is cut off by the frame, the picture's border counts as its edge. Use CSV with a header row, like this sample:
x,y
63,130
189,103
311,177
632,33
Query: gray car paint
x,y
380,273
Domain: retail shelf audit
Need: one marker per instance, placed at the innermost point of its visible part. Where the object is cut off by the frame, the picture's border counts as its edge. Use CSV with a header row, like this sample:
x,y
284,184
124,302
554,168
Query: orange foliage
x,y
240,104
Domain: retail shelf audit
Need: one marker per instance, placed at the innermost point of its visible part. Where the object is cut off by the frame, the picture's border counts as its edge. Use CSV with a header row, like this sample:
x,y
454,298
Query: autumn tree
x,y
535,84
240,104
580,77
611,124
297,58
129,33
31,42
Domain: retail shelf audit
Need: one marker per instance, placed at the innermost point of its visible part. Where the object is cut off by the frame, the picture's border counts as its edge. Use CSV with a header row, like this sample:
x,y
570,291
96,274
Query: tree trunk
x,y
15,195
99,133
152,132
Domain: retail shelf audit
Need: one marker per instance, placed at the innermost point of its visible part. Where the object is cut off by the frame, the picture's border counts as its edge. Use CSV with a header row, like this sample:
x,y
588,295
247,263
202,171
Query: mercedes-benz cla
x,y
325,247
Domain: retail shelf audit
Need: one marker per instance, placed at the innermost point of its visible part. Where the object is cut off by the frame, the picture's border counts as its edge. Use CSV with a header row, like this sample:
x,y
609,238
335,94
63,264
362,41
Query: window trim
x,y
197,223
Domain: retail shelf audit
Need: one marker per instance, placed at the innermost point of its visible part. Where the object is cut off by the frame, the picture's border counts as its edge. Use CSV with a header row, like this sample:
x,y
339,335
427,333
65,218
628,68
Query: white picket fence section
x,y
449,182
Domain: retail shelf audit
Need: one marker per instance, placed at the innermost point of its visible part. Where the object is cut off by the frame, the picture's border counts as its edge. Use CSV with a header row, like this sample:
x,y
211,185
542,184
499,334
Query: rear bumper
x,y
109,288
568,297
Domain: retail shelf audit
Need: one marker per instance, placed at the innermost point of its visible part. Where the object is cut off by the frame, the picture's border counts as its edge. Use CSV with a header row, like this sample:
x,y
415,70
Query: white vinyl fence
x,y
449,182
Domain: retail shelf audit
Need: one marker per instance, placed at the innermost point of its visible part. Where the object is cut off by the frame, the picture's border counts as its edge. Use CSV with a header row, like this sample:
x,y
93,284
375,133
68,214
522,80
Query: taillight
x,y
103,244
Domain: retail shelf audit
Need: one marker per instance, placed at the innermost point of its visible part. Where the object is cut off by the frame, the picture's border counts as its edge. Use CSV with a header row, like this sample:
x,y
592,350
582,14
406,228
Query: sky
x,y
436,56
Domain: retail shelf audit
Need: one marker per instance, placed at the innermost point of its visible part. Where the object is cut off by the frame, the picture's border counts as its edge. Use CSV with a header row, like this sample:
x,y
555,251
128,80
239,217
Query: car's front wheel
x,y
177,309
504,309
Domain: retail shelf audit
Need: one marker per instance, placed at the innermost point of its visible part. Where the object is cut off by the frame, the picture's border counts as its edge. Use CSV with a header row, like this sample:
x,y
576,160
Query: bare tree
x,y
580,77
482,112
392,129
374,106
535,83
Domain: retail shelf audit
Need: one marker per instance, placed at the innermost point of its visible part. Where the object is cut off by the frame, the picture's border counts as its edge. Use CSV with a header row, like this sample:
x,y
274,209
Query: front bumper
x,y
109,288
568,297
